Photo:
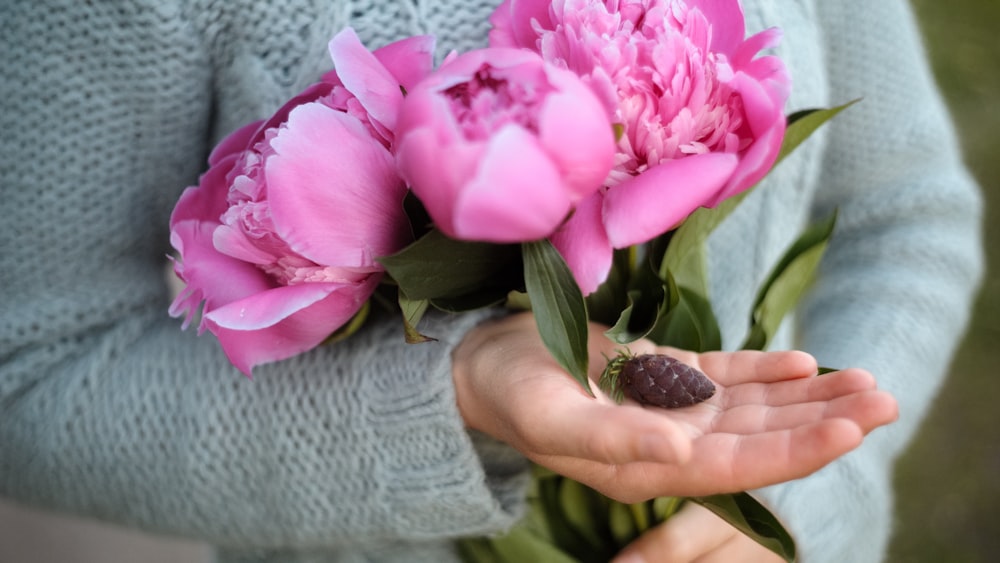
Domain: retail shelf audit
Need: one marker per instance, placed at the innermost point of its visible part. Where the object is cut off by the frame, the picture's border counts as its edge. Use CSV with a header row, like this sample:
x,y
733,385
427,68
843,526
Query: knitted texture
x,y
894,291
356,452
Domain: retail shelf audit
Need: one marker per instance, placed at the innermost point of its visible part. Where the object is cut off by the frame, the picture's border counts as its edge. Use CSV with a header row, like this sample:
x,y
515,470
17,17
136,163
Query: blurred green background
x,y
948,482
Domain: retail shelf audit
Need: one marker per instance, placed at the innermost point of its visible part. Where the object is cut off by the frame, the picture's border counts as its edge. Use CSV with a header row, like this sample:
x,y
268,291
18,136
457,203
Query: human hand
x,y
695,534
769,421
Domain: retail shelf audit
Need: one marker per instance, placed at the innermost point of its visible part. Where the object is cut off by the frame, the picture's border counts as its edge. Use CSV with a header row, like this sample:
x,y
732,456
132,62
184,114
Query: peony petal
x,y
584,244
417,156
268,308
763,94
436,171
334,193
772,74
234,143
578,135
465,66
309,95
215,278
207,200
748,50
322,310
726,19
655,201
234,242
512,23
365,77
432,156
755,163
501,32
763,110
409,60
518,194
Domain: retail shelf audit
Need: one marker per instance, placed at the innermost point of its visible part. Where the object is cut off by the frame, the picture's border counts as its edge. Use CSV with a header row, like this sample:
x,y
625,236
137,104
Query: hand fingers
x,y
818,388
727,462
577,426
723,463
867,409
688,535
749,366
720,463
743,549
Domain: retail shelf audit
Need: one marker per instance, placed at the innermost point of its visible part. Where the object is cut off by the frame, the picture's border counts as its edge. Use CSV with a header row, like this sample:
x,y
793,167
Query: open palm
x,y
769,421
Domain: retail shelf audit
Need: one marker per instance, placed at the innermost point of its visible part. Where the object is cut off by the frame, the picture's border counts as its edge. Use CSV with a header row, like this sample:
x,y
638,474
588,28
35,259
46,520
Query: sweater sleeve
x,y
107,408
896,284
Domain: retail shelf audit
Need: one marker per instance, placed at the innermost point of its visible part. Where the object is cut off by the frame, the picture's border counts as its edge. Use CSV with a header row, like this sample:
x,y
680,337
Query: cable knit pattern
x,y
356,452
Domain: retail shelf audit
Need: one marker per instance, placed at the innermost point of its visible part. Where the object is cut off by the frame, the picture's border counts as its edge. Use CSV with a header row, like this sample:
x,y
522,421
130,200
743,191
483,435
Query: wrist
x,y
467,360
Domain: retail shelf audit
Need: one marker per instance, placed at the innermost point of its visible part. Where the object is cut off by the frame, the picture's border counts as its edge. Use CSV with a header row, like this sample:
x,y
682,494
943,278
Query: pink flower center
x,y
293,269
672,91
489,101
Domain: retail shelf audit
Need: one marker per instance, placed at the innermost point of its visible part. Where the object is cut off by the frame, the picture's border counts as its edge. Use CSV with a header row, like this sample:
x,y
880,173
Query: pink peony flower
x,y
702,114
500,146
280,237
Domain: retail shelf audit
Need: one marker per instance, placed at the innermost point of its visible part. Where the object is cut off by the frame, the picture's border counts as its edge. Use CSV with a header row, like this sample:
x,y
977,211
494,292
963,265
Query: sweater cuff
x,y
437,476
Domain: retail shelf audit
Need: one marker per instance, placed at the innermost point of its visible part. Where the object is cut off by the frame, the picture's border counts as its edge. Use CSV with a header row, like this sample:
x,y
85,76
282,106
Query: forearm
x,y
106,407
358,440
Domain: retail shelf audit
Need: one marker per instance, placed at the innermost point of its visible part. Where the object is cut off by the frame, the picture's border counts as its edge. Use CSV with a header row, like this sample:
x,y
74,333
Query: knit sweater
x,y
357,452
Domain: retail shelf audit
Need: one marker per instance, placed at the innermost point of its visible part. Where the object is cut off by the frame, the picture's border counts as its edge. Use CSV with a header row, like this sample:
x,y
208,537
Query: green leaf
x,y
665,507
622,332
438,267
606,304
560,311
550,516
641,515
692,268
518,301
689,322
645,299
640,317
523,544
488,297
477,550
802,124
685,256
623,528
413,311
581,506
750,517
546,509
788,281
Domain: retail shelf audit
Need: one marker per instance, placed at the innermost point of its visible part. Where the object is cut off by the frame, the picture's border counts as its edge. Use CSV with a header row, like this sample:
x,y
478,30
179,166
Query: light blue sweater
x,y
356,452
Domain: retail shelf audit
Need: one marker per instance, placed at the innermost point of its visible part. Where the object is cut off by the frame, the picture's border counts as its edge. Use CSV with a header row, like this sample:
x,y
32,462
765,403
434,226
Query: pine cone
x,y
657,380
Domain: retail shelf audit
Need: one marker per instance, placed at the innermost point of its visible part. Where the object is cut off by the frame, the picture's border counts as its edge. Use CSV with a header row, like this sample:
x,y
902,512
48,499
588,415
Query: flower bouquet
x,y
575,167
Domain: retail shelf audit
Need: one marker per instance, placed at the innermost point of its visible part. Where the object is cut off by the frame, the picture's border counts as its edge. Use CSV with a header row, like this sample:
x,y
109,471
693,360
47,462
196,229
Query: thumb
x,y
607,433
691,533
